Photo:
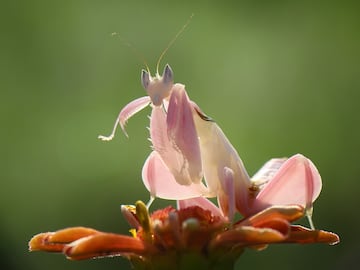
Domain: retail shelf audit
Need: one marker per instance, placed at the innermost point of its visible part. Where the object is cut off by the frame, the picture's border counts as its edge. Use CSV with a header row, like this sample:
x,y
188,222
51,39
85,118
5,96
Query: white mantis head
x,y
159,87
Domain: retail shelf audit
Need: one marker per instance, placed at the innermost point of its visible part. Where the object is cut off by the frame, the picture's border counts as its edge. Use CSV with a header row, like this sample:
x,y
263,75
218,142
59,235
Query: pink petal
x,y
201,202
182,132
161,183
129,213
297,181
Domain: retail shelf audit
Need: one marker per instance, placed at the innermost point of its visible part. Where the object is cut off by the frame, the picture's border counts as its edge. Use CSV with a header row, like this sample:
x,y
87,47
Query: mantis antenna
x,y
172,42
138,55
133,49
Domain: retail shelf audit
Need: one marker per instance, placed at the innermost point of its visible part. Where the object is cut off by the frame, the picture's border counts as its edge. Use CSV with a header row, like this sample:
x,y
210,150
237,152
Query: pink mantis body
x,y
192,157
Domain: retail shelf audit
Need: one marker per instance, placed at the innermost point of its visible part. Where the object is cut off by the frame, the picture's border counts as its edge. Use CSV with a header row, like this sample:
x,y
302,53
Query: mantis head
x,y
159,87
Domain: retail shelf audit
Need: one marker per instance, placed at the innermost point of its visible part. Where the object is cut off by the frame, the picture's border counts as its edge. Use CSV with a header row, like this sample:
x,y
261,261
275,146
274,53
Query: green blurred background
x,y
279,77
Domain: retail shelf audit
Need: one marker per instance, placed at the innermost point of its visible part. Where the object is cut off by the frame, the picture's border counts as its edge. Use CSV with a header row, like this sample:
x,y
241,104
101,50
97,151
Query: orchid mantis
x,y
192,157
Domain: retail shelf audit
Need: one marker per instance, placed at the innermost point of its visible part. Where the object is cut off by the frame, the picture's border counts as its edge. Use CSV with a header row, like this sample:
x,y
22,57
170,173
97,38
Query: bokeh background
x,y
279,77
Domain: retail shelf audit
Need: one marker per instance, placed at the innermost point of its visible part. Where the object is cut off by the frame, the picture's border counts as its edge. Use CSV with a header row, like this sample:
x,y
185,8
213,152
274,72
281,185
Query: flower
x,y
193,159
195,232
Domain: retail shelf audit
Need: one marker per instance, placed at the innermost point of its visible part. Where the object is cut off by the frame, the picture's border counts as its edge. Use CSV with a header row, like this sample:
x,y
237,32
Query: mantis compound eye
x,y
145,79
168,75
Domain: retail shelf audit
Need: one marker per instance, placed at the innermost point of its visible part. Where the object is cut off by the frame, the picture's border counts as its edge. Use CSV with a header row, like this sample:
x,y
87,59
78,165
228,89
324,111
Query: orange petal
x,y
302,235
277,224
247,236
38,242
289,213
69,235
106,244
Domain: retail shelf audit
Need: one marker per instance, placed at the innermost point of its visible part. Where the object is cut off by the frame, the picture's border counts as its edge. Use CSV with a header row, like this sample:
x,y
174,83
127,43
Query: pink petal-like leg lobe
x,y
297,181
161,183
